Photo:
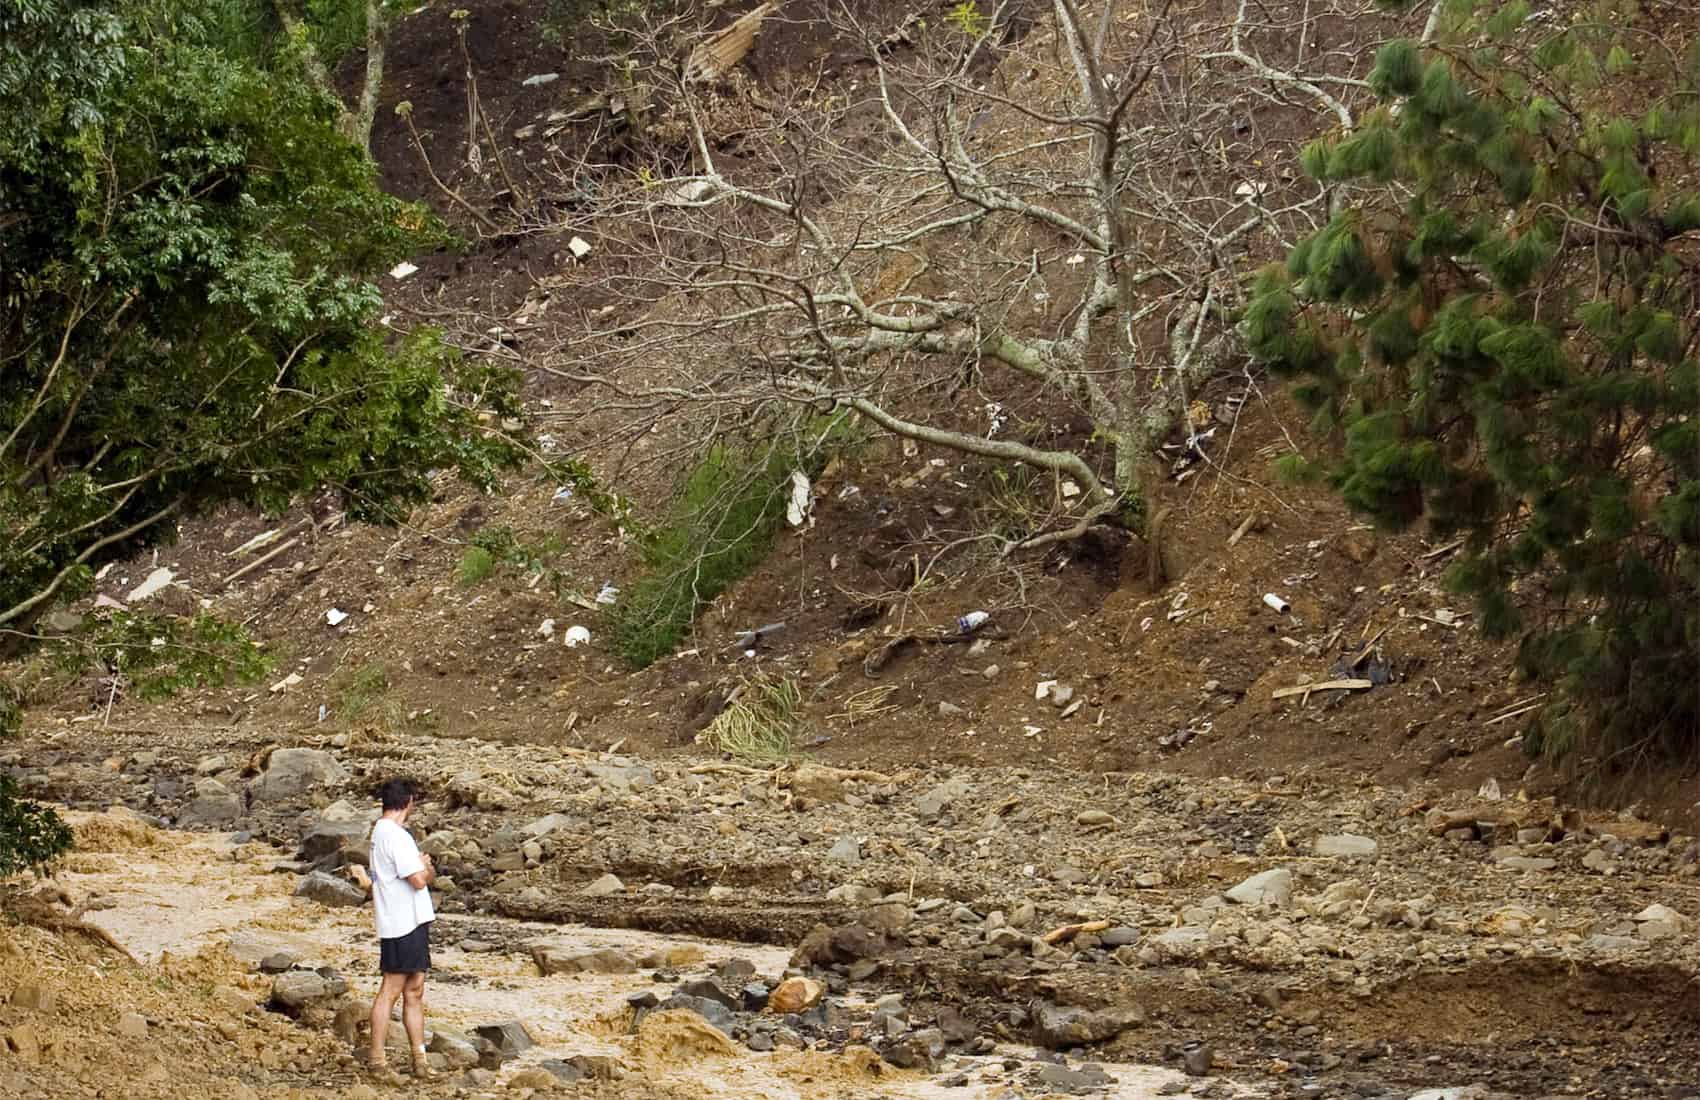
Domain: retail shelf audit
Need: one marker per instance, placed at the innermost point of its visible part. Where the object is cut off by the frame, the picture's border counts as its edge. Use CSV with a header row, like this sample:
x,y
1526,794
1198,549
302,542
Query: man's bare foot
x,y
422,1067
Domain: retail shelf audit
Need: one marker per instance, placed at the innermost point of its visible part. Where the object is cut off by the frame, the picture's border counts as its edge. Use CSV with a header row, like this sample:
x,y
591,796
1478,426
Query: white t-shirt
x,y
398,906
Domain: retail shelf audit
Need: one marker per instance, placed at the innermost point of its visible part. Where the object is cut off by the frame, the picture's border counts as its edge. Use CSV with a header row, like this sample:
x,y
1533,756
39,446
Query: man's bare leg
x,y
388,990
413,1019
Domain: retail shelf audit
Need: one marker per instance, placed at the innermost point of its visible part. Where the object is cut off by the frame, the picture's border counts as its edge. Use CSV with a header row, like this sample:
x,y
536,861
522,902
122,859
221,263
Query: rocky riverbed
x,y
808,931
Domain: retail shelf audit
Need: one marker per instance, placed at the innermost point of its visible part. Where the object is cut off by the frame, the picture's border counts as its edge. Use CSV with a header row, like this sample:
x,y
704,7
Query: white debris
x,y
798,509
577,636
539,79
155,581
403,270
286,683
103,600
608,594
1044,689
1069,489
335,616
547,628
256,542
1276,603
579,247
1489,790
562,495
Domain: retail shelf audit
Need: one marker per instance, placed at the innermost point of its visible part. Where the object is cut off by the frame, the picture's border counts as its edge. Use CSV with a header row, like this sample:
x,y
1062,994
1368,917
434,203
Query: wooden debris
x,y
719,54
1245,526
1069,931
1326,685
259,561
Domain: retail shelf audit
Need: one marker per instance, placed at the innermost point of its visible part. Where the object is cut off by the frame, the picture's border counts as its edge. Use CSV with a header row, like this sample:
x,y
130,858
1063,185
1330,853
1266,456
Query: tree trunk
x,y
358,123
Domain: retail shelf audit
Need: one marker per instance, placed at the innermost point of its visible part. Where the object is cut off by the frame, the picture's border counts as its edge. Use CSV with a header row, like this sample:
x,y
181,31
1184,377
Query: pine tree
x,y
1500,325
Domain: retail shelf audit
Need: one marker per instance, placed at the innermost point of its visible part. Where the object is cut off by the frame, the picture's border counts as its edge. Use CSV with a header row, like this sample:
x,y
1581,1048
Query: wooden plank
x,y
1326,685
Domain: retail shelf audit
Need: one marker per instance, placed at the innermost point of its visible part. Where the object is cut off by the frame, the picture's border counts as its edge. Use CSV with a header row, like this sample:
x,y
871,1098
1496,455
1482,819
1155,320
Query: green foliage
x,y
967,18
190,308
161,655
1501,329
30,835
720,525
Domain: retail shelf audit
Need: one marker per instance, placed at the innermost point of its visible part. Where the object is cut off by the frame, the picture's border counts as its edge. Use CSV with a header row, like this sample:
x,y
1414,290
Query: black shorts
x,y
409,954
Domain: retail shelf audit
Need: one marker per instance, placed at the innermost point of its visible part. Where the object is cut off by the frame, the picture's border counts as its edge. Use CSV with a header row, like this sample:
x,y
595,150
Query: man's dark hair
x,y
397,793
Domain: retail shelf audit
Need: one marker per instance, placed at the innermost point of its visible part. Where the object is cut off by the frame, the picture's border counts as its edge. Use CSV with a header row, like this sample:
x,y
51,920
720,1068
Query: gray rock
x,y
299,988
1058,1028
1512,862
1075,1082
133,1026
1346,846
293,772
328,889
1120,936
557,959
509,1037
1198,1058
950,710
214,804
549,823
1596,859
326,837
622,777
1179,944
277,962
1271,887
1061,696
606,886
845,851
852,894
564,1072
458,1049
710,990
917,1050
714,1012
934,802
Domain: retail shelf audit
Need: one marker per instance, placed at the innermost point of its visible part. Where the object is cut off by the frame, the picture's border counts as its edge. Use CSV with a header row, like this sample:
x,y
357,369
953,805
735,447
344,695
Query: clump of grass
x,y
720,526
762,722
366,694
476,566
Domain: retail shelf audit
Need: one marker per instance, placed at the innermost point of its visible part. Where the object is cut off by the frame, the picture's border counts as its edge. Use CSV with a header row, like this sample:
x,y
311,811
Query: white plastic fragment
x,y
286,683
155,581
547,628
403,270
336,616
1043,690
577,636
579,247
609,593
1276,603
798,509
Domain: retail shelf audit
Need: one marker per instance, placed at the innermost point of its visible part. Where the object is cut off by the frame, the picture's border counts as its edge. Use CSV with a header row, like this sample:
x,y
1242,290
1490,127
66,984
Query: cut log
x,y
1069,931
1326,685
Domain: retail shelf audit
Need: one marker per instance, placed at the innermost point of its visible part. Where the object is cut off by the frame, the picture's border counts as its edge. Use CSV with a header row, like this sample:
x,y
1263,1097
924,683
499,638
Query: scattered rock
x,y
1198,1058
326,837
1058,1028
845,851
606,886
1272,887
1075,1082
297,989
293,772
277,962
33,997
1093,817
458,1049
328,889
556,959
1511,861
1346,846
917,1050
214,805
934,802
133,1026
509,1037
533,1077
1657,922
715,1013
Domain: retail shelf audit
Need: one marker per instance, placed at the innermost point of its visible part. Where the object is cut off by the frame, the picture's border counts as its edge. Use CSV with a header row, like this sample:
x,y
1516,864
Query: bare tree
x,y
1021,242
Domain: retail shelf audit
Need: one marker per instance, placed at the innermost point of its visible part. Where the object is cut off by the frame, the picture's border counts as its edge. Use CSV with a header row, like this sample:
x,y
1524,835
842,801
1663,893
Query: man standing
x,y
401,900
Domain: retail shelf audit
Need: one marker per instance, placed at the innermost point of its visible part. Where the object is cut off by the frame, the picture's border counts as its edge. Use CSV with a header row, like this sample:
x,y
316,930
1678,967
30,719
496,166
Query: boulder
x,y
291,773
327,889
328,836
214,804
795,995
714,1012
459,1049
296,989
1271,887
508,1038
1058,1028
917,1050
606,886
557,959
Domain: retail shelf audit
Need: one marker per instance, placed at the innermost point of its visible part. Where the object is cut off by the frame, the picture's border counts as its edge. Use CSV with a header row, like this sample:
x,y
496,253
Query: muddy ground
x,y
1500,942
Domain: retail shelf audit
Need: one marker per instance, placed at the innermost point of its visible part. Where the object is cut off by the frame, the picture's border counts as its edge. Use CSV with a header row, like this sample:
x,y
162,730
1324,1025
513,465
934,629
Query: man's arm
x,y
422,880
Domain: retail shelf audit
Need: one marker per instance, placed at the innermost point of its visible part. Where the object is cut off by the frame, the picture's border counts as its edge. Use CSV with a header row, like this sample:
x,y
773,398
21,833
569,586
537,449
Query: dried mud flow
x,y
1446,917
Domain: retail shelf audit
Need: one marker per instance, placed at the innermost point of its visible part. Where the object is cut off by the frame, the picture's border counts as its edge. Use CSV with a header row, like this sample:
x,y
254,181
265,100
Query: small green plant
x,y
161,655
969,19
477,565
762,722
31,835
365,694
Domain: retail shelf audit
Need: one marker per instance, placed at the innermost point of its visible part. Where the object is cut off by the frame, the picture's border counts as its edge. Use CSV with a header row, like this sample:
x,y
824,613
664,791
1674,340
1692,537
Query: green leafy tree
x,y
1500,322
188,249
